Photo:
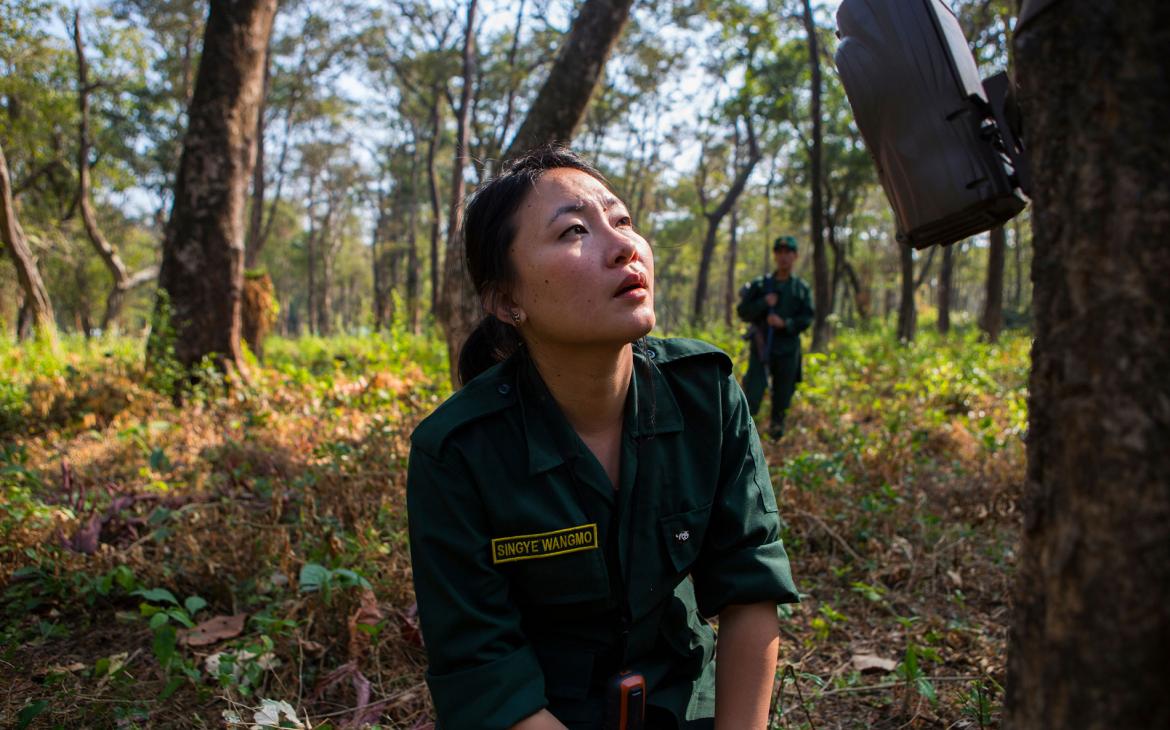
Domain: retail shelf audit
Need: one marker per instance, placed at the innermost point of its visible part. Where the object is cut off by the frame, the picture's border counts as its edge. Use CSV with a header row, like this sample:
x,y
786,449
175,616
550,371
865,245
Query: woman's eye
x,y
625,221
576,229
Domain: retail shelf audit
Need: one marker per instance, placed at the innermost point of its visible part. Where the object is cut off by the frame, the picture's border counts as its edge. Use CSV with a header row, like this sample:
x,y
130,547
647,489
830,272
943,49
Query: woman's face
x,y
583,274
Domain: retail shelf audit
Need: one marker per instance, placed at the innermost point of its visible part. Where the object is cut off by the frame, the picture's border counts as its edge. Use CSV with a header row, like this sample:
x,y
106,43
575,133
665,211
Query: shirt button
x,y
504,389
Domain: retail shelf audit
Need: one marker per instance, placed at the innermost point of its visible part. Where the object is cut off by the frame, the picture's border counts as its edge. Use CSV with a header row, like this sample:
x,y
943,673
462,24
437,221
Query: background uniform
x,y
537,581
775,353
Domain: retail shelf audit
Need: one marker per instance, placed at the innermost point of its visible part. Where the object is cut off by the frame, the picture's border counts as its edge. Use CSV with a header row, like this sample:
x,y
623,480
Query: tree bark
x,y
907,312
946,276
1091,632
203,249
36,298
123,281
822,296
992,320
561,103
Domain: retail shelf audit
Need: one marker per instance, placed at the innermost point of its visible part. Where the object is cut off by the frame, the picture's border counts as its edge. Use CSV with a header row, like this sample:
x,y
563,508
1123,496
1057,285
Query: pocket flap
x,y
683,534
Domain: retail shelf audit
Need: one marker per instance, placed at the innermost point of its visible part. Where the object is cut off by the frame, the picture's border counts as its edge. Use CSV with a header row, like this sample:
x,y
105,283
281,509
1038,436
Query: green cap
x,y
788,242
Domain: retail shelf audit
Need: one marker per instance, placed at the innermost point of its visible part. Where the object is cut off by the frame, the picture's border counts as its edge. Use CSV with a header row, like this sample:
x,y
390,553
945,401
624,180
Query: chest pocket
x,y
682,534
561,578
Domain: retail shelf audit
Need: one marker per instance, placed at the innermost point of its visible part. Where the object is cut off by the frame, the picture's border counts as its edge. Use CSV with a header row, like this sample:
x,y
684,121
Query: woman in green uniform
x,y
591,495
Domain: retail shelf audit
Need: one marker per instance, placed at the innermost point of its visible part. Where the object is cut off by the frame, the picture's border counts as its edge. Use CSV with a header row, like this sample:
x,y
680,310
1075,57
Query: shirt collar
x,y
651,409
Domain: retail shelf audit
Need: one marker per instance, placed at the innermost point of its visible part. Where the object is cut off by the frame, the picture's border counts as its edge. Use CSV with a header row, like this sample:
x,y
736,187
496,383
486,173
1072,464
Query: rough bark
x,y
123,281
715,217
561,103
992,320
907,312
203,249
1091,633
36,298
945,279
822,294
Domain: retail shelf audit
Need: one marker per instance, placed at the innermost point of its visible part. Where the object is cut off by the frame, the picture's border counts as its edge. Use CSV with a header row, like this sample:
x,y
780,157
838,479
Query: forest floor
x,y
272,520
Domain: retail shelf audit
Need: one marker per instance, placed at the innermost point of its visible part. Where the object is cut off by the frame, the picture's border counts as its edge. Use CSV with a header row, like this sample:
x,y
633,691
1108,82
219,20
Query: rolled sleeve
x,y
483,673
743,559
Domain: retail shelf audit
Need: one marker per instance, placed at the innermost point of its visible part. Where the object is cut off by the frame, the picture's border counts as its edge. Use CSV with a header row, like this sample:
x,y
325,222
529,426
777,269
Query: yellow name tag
x,y
544,544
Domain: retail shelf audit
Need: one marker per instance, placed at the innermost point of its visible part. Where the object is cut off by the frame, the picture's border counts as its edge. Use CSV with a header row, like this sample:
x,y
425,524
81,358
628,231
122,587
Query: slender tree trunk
x,y
203,250
821,291
732,246
36,298
256,238
378,265
458,302
412,273
561,103
992,320
1018,248
715,217
123,281
907,312
945,279
433,180
1091,633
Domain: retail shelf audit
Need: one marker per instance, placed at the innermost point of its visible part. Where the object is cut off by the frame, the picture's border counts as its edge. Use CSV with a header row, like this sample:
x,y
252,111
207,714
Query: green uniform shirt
x,y
537,581
794,306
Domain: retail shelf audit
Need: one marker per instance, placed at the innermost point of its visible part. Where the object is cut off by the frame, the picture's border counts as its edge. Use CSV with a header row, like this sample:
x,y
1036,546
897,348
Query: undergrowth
x,y
167,567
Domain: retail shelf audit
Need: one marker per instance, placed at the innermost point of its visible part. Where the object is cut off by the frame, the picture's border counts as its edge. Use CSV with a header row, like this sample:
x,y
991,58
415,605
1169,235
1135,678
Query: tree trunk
x,y
123,282
458,302
36,298
1017,252
992,320
560,106
433,180
821,292
1091,633
203,249
256,238
716,216
412,273
732,246
907,312
946,276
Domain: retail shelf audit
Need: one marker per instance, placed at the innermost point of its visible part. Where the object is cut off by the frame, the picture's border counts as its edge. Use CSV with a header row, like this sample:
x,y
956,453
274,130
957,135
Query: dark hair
x,y
488,229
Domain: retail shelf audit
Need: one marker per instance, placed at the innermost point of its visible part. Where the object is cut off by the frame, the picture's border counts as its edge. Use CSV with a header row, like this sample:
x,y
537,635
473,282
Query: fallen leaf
x,y
955,578
368,614
59,669
214,629
870,663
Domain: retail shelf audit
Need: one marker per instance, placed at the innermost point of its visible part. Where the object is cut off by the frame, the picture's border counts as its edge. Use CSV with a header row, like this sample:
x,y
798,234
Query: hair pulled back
x,y
489,227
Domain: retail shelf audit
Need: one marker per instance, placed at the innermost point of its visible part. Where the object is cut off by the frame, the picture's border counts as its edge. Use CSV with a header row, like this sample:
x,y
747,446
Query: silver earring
x,y
515,317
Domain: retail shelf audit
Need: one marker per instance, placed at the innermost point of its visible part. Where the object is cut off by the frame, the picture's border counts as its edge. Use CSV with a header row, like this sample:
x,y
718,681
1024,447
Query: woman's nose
x,y
624,248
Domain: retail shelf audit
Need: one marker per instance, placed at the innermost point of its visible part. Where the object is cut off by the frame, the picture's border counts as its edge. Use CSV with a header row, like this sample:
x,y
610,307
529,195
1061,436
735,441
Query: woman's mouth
x,y
634,285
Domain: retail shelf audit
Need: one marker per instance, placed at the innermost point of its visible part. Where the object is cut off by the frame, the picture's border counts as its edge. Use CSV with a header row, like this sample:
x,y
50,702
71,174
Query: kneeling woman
x,y
590,494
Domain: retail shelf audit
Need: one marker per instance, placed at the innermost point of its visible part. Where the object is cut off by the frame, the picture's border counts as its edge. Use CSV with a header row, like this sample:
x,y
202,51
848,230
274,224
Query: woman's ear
x,y
503,308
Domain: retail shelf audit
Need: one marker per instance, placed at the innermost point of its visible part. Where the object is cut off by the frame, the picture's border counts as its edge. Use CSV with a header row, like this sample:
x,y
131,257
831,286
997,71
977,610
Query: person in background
x,y
779,307
591,494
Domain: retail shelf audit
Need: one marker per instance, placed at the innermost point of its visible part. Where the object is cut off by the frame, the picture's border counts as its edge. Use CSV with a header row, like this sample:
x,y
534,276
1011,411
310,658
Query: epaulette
x,y
675,349
488,393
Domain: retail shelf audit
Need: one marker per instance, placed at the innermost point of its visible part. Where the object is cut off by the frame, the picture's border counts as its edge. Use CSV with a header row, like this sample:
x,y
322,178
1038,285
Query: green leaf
x,y
29,713
194,604
313,577
159,619
172,684
180,616
157,595
164,644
